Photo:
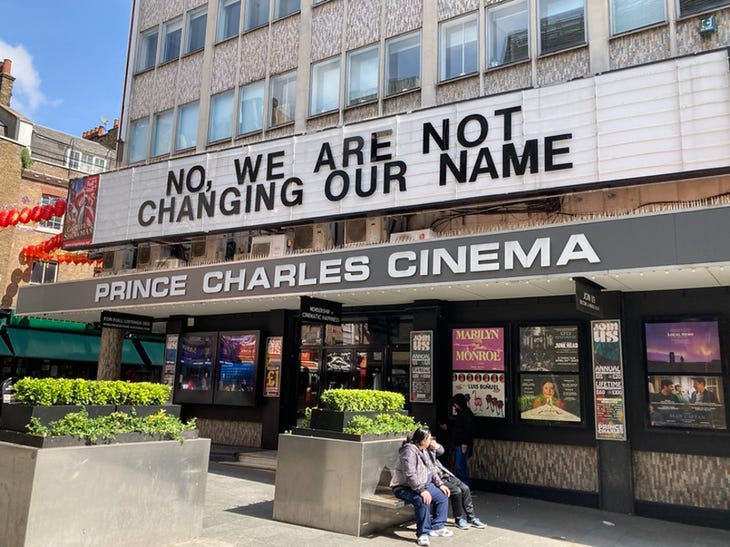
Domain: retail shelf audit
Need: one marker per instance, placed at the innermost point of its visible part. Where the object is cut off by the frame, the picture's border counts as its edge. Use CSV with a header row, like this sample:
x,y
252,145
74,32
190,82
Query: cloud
x,y
27,97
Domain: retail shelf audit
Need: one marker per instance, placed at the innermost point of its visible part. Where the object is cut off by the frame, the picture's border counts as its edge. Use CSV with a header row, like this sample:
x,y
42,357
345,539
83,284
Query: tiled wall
x,y
641,47
230,433
682,479
452,8
363,23
536,464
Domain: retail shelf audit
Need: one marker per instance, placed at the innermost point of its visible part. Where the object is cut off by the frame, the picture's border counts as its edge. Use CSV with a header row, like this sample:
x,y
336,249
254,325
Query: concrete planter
x,y
142,494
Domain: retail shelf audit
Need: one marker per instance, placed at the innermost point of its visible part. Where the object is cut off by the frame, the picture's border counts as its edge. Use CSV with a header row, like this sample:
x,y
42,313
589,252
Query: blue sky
x,y
68,60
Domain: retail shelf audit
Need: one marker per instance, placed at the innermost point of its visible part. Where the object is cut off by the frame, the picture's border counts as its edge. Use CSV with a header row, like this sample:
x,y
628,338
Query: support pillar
x,y
110,354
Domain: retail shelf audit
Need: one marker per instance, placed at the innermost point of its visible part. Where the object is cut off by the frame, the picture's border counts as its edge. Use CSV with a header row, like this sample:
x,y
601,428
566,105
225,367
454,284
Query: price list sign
x,y
421,366
608,380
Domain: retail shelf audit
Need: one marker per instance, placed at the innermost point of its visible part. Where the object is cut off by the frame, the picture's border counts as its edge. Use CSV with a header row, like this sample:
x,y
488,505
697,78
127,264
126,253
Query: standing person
x,y
414,482
460,498
462,435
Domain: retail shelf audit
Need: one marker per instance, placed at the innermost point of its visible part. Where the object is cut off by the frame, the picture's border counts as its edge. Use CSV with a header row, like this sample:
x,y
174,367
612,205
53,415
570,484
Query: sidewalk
x,y
239,506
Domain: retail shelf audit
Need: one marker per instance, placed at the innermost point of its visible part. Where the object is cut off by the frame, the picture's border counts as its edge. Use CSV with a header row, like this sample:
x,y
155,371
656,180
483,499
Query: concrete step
x,y
259,459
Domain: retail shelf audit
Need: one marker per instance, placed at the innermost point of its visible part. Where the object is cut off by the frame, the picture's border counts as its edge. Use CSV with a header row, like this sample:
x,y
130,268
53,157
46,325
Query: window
x,y
628,15
221,116
195,39
147,49
256,14
54,223
162,133
362,76
458,47
403,63
138,133
283,98
99,165
85,162
325,87
251,108
507,33
43,272
282,8
688,7
229,17
187,126
562,24
173,37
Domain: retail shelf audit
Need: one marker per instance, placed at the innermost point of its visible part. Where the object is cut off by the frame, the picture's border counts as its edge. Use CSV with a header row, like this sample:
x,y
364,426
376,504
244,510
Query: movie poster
x,y
683,347
78,225
237,357
550,397
696,402
195,356
549,348
477,349
483,390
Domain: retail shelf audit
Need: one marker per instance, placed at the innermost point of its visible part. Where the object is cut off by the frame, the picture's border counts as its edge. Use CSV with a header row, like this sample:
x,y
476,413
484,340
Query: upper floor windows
x,y
221,116
282,8
627,15
137,140
562,24
43,272
403,63
172,39
197,20
507,33
362,75
458,50
229,17
53,223
147,52
324,87
186,133
162,133
85,162
282,99
251,108
256,14
688,7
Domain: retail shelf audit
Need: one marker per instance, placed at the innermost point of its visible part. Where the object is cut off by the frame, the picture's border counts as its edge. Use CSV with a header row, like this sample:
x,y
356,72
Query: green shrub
x,y
361,400
62,391
383,423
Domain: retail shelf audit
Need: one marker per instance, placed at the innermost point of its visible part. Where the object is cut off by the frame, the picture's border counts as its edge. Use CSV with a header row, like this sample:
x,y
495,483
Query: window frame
x,y
362,98
170,120
259,87
195,16
169,30
288,78
512,9
142,124
222,22
314,86
54,223
562,47
144,49
247,24
191,107
462,21
45,266
705,7
395,40
277,13
231,115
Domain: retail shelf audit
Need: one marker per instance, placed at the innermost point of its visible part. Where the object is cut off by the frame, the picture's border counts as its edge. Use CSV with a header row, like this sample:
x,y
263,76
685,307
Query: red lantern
x,y
3,218
59,208
35,213
13,217
46,212
24,216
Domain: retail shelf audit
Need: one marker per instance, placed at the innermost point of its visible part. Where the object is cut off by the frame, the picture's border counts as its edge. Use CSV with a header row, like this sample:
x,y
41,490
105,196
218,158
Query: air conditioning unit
x,y
148,254
169,263
412,236
208,249
271,245
314,236
121,259
365,230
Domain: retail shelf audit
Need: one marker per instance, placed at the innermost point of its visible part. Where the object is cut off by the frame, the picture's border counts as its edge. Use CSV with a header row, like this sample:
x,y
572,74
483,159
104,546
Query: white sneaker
x,y
443,532
423,540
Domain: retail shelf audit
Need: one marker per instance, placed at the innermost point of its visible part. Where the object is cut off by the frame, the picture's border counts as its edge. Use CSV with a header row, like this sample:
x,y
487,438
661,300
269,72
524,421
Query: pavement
x,y
240,502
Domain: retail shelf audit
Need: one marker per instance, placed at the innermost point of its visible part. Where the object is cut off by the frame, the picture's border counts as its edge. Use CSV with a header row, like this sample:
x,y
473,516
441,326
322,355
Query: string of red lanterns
x,y
13,217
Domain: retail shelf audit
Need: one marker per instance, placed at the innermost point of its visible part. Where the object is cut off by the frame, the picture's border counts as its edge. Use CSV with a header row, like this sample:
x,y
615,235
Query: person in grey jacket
x,y
414,482
461,503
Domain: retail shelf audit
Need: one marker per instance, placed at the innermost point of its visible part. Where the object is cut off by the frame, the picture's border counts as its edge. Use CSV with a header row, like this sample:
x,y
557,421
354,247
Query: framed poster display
x,y
484,392
692,402
549,348
550,397
608,380
421,358
683,347
168,371
238,354
478,349
195,367
272,380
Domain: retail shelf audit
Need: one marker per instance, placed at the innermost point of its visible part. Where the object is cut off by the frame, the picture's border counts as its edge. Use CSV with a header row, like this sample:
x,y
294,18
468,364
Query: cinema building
x,y
525,202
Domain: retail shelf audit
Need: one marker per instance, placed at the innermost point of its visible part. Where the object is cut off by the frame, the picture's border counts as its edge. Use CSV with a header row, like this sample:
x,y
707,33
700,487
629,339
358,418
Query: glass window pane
x,y
507,33
147,49
138,133
196,30
255,14
403,63
229,17
458,47
187,126
283,98
362,78
221,116
251,108
562,24
162,133
688,7
173,36
628,15
282,8
325,87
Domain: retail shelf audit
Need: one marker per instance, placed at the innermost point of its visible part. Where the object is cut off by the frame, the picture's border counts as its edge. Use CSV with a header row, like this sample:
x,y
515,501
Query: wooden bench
x,y
384,497
381,509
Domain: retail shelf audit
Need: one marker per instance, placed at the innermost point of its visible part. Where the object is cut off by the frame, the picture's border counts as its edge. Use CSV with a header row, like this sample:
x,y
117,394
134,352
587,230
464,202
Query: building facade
x,y
522,201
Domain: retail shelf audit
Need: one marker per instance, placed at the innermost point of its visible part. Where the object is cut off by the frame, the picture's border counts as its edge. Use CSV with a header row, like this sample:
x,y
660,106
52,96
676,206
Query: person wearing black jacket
x,y
462,435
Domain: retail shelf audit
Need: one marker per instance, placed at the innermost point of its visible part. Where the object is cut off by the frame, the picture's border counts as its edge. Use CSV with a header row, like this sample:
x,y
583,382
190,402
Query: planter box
x,y
147,410
144,494
16,416
326,434
58,441
337,420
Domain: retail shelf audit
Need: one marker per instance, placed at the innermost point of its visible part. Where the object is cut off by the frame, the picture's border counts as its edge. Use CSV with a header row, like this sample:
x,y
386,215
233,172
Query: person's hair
x,y
700,380
419,435
667,382
460,400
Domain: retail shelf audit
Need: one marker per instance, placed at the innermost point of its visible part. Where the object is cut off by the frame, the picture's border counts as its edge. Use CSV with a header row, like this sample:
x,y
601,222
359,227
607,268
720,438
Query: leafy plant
x,y
383,423
25,159
62,391
362,400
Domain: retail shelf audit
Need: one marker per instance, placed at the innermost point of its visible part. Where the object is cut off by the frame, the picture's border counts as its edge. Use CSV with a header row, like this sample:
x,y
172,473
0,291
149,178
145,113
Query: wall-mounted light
x,y
708,25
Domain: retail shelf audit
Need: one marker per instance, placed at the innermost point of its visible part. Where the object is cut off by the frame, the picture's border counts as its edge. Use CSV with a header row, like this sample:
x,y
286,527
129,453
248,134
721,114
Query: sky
x,y
68,59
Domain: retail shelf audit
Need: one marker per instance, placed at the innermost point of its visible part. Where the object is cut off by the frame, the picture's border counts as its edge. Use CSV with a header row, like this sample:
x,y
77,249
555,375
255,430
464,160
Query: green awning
x,y
64,346
155,351
4,350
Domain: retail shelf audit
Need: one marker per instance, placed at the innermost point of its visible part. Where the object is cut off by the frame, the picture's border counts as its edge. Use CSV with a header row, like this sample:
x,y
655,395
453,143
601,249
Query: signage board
x,y
126,321
320,311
